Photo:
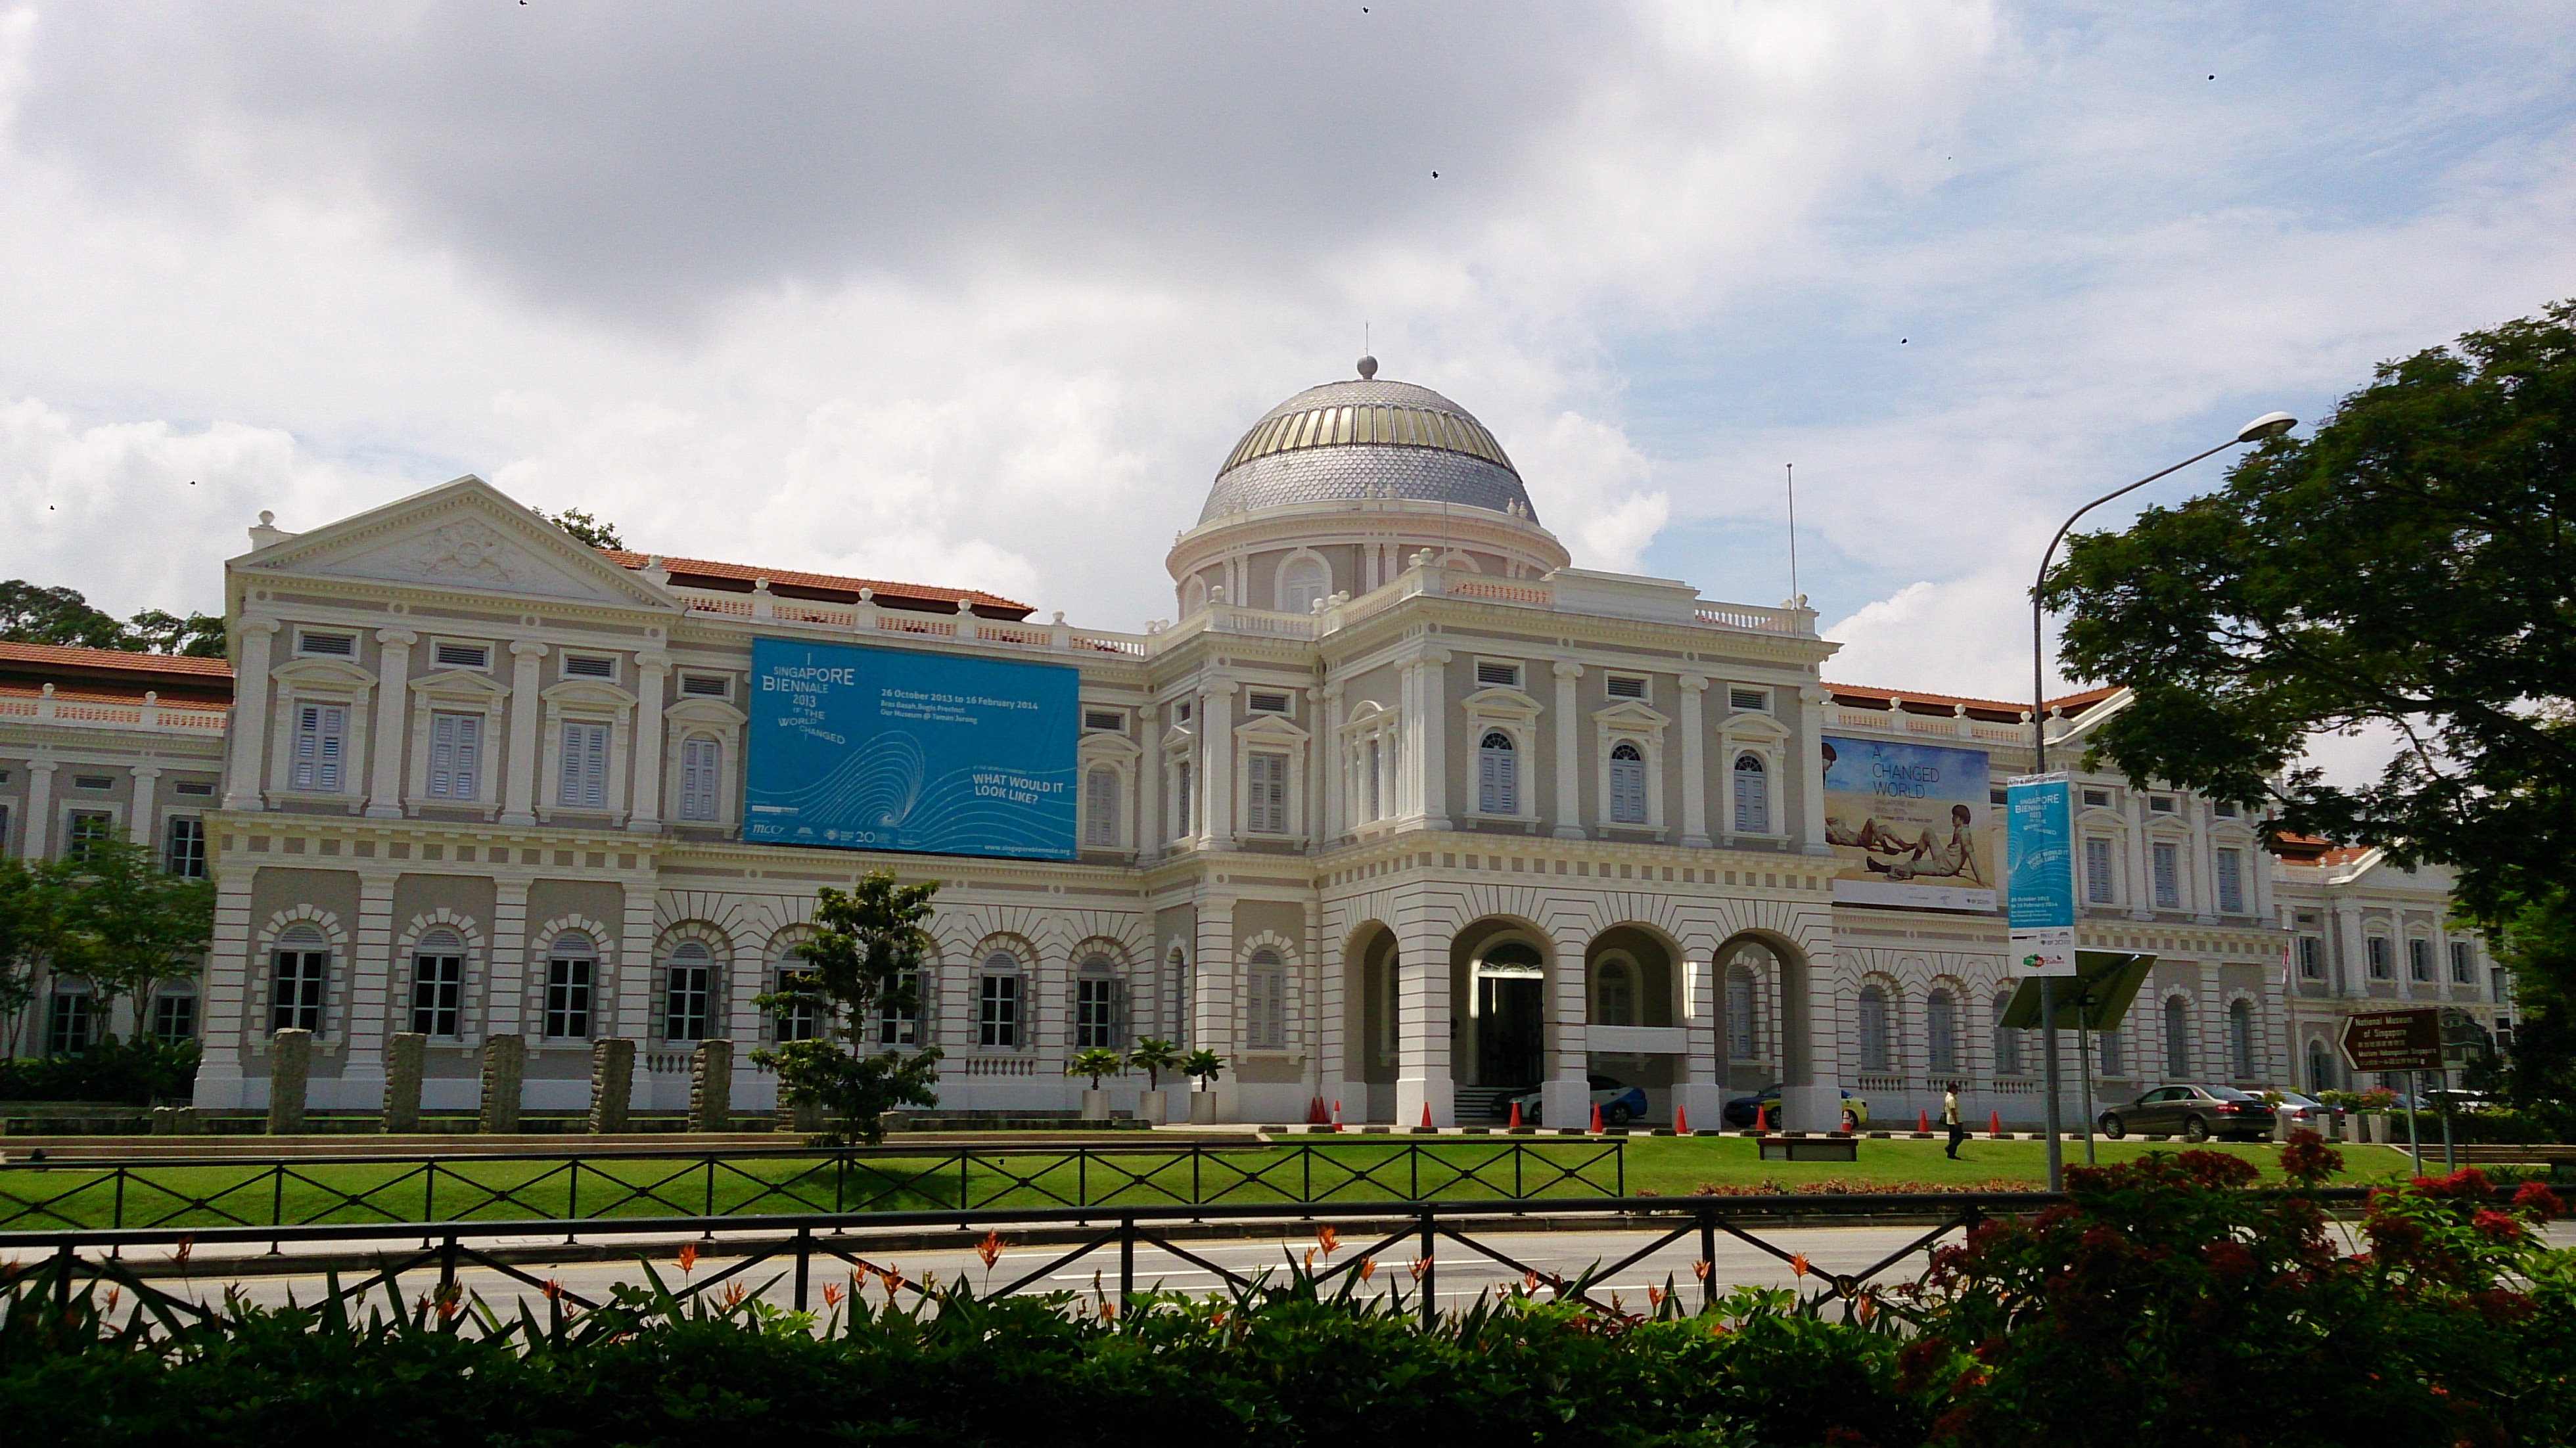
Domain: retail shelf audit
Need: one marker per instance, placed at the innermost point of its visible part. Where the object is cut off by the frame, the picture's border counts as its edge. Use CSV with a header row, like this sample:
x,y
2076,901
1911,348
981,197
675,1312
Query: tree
x,y
33,615
109,915
586,529
198,636
1154,1057
2411,565
1095,1062
867,949
1203,1066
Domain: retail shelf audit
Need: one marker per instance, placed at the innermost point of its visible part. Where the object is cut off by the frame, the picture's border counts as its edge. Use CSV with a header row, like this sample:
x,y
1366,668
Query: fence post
x,y
804,1258
1430,1270
1306,1172
447,1264
1620,1156
1126,1262
1413,1170
120,1196
1081,1177
963,1161
63,1278
1708,1254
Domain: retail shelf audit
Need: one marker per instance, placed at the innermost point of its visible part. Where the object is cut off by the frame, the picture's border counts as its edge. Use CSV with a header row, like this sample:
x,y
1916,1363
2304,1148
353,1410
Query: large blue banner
x,y
887,749
2039,874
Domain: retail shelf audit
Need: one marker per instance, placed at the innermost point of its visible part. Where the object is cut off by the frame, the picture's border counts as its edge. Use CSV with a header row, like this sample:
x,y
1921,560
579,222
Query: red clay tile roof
x,y
788,583
1992,710
2298,849
56,656
114,675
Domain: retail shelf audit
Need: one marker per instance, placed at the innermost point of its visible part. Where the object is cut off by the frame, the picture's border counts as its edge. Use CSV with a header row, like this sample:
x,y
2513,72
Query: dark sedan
x,y
2194,1113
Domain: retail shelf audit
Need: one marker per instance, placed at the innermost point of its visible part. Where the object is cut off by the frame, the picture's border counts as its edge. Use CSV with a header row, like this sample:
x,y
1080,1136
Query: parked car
x,y
1619,1103
1739,1112
2307,1111
2194,1113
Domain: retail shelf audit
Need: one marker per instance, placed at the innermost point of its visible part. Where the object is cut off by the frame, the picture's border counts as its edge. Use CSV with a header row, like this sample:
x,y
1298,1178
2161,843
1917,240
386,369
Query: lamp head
x,y
2269,425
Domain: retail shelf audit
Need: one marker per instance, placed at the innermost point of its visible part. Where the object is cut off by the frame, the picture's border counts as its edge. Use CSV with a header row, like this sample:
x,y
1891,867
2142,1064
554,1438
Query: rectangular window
x,y
1748,701
2231,882
1095,1013
2161,804
321,746
337,645
87,827
184,852
1495,674
2463,957
174,1017
464,656
438,993
1261,701
2312,958
1104,721
68,1022
568,997
296,1002
2167,862
997,1011
1266,1006
703,686
901,1025
584,781
2380,968
1266,809
2098,881
589,666
2419,959
455,756
2097,799
685,993
2115,1055
1100,807
93,781
196,787
699,758
2226,809
1627,686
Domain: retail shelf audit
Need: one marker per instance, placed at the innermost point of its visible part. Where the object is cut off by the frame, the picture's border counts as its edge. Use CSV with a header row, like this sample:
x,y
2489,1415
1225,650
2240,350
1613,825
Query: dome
x,y
1356,440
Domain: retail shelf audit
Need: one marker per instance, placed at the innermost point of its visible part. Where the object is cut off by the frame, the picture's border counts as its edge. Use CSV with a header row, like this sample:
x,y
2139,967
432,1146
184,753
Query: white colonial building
x,y
1404,813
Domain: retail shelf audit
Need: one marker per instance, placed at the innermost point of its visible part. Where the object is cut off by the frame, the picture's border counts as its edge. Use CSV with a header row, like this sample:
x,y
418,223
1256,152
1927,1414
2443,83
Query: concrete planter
x,y
1095,1105
1153,1107
1202,1108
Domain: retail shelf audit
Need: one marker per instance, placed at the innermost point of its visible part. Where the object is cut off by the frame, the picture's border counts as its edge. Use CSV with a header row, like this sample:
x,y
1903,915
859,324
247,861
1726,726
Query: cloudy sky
x,y
981,294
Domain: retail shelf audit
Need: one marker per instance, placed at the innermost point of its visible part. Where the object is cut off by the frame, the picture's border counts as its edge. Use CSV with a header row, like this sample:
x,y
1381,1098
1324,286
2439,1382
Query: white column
x,y
1701,1091
2204,865
2142,885
1330,762
249,725
1149,786
141,827
1433,756
1422,1024
651,671
1694,764
1569,770
1812,700
362,1081
40,806
1212,1010
1216,786
393,678
1565,1098
519,783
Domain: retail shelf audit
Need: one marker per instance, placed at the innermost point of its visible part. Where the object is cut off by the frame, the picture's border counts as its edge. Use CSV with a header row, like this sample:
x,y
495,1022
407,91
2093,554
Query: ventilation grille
x,y
464,656
338,645
1498,676
704,686
1263,703
590,666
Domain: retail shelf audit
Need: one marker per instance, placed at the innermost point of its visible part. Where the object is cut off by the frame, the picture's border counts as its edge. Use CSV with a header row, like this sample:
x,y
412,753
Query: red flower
x,y
2228,1258
2537,1198
2497,1225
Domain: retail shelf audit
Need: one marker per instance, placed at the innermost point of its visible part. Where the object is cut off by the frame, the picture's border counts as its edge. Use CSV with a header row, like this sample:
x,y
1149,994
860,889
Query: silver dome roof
x,y
1348,441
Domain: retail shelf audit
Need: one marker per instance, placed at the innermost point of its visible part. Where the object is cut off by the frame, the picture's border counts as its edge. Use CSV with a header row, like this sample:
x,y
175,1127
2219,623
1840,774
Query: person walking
x,y
1950,1119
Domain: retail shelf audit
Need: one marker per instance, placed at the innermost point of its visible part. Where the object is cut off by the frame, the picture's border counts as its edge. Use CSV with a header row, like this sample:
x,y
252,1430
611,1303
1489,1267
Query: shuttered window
x,y
1266,808
321,746
455,756
2166,861
1497,775
1752,797
1266,1002
1627,785
2097,870
2231,881
1100,807
700,757
584,780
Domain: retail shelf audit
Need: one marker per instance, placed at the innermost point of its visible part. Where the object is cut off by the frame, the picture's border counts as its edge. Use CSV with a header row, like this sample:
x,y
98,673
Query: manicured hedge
x,y
127,1073
2168,1305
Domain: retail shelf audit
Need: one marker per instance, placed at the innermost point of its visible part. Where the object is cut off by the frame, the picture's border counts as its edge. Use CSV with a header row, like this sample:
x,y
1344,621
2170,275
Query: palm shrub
x,y
1154,1057
1095,1062
1203,1066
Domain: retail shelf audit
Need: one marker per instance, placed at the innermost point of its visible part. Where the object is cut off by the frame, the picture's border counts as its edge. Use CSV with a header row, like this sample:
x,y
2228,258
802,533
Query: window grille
x,y
464,656
1262,702
1626,686
589,666
1491,674
1103,721
174,1017
688,992
337,645
1749,701
997,1008
295,997
703,686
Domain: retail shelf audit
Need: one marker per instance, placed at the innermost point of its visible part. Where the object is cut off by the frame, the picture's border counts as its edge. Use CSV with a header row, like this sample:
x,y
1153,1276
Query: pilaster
x,y
519,785
385,748
1694,763
249,724
1568,732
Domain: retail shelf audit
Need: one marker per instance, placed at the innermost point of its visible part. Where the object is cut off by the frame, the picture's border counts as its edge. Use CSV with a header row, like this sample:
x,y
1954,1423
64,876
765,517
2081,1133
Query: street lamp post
x,y
2269,425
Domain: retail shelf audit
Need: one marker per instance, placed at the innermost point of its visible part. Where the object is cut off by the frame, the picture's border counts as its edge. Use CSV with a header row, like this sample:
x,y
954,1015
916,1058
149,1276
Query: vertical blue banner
x,y
2039,874
889,749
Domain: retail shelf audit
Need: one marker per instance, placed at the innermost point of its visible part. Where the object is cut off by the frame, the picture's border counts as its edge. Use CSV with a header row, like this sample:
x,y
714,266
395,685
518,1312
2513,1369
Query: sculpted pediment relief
x,y
470,553
462,535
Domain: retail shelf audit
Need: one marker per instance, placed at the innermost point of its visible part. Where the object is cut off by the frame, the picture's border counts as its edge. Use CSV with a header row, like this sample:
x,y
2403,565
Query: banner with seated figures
x,y
892,749
1913,825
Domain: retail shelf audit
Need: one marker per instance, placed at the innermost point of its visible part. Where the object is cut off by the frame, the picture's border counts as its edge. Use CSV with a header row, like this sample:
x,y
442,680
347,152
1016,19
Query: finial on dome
x,y
1368,367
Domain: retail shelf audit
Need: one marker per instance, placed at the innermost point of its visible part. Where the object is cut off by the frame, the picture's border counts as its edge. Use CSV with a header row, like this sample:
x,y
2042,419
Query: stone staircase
x,y
1483,1105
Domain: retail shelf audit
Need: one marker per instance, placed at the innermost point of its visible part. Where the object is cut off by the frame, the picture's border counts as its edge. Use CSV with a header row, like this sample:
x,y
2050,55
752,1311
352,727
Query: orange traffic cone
x,y
1426,1116
1995,1125
1596,1118
1681,1121
1516,1116
1922,1122
1761,1119
1337,1113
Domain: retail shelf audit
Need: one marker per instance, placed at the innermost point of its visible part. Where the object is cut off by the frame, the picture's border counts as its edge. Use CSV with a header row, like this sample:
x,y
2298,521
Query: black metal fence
x,y
762,1182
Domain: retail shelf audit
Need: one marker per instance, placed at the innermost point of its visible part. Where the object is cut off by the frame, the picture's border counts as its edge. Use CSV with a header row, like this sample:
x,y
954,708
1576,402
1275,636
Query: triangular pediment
x,y
463,536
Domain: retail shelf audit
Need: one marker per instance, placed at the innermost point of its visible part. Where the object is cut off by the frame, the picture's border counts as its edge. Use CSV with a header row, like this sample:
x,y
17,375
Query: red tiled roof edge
x,y
706,568
64,656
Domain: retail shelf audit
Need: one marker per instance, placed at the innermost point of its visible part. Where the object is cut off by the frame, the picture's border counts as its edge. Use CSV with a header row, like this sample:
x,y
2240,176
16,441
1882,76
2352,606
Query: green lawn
x,y
1371,1169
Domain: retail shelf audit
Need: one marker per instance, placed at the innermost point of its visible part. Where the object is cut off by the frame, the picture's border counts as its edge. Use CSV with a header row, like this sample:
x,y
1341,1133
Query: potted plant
x,y
1154,1057
1095,1062
1202,1067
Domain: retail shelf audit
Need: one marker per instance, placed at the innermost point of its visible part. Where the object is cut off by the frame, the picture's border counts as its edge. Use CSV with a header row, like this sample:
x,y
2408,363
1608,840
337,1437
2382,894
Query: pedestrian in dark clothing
x,y
1950,1119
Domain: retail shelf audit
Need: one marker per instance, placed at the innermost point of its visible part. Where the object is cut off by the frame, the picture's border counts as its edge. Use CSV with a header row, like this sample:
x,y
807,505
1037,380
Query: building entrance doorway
x,y
1511,1017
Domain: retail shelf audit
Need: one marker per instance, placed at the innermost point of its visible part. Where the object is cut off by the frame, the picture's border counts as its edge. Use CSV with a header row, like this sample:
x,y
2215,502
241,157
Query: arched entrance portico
x,y
1499,986
1369,1050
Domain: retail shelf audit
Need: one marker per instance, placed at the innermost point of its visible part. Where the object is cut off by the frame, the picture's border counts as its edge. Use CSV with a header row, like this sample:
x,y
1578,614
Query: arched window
x,y
997,1002
1100,807
2007,1040
2115,1051
2320,1067
1176,1001
1614,993
1743,1032
1097,1005
688,991
302,960
438,984
1873,1030
1941,1026
1498,790
700,756
572,964
2240,1039
1302,585
2177,1039
1752,796
1266,1001
1627,784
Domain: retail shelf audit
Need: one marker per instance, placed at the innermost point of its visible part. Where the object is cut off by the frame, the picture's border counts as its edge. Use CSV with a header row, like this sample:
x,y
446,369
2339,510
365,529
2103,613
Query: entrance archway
x,y
1369,1023
1510,1016
1765,1031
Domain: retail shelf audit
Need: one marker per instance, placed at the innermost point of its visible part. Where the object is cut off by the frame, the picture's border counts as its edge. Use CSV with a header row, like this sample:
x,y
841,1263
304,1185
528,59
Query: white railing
x,y
868,617
45,707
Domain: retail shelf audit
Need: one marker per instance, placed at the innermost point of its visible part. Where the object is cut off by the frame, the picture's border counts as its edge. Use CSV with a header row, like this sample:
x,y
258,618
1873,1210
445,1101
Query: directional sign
x,y
2393,1041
